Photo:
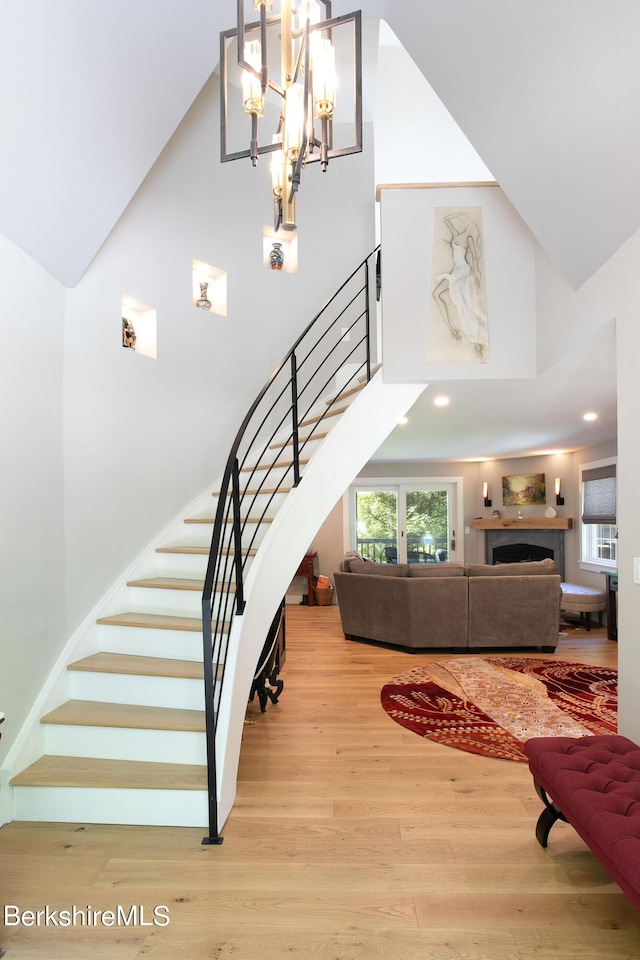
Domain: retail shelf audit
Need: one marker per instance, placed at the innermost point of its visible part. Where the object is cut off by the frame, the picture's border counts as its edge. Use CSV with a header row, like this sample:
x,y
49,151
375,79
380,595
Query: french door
x,y
405,522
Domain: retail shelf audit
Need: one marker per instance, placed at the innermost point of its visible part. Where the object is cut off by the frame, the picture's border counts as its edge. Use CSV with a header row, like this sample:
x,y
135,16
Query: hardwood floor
x,y
351,839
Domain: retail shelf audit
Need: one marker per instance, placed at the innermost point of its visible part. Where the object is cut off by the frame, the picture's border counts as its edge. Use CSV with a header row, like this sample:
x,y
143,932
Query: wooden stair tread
x,y
200,551
153,621
211,520
277,465
301,440
348,393
52,771
168,583
94,713
175,583
124,663
323,416
256,493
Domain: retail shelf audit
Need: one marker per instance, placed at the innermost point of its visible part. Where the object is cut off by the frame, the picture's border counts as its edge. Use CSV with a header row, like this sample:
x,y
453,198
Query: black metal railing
x,y
419,549
288,413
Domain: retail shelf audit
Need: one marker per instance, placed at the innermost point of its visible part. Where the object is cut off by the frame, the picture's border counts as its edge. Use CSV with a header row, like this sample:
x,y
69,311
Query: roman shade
x,y
599,494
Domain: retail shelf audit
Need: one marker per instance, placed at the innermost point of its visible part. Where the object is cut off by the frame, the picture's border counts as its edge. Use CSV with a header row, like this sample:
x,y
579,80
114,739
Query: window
x,y
599,532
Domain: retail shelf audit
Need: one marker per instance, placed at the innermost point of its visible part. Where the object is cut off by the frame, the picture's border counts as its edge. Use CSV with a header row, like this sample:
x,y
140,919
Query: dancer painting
x,y
458,328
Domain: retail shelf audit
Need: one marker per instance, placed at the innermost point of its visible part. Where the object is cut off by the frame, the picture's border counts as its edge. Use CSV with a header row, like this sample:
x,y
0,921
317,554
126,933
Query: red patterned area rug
x,y
493,705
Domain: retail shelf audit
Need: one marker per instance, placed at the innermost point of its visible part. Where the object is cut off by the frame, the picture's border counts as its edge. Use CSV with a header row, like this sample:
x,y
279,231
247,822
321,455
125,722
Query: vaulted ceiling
x,y
548,93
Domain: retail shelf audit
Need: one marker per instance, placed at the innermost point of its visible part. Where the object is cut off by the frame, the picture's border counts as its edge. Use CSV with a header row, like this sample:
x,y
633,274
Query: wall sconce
x,y
485,494
559,499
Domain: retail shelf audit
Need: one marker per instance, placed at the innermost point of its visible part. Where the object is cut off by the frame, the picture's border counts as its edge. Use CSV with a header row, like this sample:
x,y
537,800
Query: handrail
x,y
338,339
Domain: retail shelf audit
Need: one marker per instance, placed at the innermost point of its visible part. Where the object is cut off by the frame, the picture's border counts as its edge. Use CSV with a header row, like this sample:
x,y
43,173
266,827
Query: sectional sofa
x,y
449,605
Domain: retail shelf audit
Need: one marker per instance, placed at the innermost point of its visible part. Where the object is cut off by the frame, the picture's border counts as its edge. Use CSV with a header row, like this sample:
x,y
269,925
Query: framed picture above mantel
x,y
526,489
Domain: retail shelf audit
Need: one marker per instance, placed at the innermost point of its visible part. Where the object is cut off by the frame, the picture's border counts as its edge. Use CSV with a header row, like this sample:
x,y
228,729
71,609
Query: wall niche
x,y
139,327
280,250
209,288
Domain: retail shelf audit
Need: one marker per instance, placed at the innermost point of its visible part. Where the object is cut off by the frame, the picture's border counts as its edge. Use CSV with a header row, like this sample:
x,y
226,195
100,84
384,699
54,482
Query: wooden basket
x,y
323,598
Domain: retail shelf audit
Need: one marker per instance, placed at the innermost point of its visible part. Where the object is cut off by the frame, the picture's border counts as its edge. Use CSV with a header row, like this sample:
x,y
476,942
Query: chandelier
x,y
279,73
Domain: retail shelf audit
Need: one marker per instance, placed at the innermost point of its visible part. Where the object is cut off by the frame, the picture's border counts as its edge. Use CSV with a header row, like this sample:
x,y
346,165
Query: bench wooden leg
x,y
548,817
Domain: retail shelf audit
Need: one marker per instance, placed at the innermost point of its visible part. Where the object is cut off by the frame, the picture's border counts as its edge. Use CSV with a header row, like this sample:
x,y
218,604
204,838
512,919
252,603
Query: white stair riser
x,y
139,642
199,535
190,565
162,808
257,504
175,692
172,603
252,477
124,743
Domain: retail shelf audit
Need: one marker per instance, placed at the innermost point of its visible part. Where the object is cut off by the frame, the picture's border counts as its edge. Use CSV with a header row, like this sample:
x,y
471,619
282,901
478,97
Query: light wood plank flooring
x,y
351,839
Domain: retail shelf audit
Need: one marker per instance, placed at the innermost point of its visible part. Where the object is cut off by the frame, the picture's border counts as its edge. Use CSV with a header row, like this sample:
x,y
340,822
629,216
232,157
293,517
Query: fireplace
x,y
521,553
513,546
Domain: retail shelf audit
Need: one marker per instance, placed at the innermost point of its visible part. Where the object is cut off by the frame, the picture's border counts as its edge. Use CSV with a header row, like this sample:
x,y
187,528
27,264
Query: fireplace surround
x,y
535,533
524,545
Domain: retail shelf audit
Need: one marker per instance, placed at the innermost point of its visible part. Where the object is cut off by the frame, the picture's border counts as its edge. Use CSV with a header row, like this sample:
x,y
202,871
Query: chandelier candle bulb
x,y
252,95
323,64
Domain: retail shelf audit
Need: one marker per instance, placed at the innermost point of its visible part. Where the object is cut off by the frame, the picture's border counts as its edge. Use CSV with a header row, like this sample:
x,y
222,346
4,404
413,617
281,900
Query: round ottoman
x,y
582,600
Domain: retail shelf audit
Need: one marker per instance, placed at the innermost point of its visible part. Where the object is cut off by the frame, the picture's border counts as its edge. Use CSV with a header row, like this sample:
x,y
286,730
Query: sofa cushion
x,y
436,569
377,569
529,568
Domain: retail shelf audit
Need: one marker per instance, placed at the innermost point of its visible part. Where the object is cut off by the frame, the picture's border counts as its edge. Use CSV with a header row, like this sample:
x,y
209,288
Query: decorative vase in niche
x,y
204,303
276,256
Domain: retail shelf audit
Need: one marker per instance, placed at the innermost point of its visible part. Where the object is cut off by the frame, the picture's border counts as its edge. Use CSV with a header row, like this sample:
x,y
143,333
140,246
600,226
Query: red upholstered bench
x,y
593,783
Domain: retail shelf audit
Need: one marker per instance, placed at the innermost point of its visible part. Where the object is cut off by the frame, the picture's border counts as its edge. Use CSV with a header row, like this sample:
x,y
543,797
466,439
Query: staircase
x,y
145,732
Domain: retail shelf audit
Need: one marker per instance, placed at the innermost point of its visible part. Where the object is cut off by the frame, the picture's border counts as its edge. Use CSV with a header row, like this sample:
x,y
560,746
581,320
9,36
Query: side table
x,y
611,600
306,570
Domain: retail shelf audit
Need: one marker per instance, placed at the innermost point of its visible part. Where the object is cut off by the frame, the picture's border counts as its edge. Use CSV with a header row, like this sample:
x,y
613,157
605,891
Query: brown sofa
x,y
450,606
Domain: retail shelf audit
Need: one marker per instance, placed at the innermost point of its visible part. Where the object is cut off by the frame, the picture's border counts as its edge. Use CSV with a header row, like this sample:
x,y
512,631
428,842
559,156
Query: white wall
x,y
143,437
416,138
32,597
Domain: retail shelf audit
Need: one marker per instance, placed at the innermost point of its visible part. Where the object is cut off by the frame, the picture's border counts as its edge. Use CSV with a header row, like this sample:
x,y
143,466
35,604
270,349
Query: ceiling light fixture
x,y
403,420
301,103
441,401
590,416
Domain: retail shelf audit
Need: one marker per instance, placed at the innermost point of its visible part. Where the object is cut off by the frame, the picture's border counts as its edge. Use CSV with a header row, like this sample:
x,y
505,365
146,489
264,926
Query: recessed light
x,y
590,416
403,420
441,401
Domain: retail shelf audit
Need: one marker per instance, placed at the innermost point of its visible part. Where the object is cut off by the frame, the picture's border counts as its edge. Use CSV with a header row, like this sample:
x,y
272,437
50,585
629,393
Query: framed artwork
x,y
458,331
523,489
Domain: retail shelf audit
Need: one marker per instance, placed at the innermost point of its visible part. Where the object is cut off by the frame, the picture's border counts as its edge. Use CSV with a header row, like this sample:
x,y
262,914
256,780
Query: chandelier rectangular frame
x,y
296,71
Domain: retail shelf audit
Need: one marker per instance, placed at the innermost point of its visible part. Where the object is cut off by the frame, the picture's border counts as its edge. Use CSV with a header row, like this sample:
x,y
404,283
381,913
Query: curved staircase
x,y
130,743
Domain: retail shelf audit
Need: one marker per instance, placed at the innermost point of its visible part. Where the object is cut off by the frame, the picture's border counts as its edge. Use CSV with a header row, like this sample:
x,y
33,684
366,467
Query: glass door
x,y
428,524
410,522
375,513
